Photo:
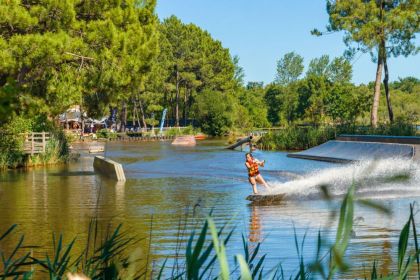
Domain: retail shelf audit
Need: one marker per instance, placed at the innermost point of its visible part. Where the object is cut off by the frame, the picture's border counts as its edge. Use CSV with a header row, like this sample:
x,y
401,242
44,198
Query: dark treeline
x,y
106,54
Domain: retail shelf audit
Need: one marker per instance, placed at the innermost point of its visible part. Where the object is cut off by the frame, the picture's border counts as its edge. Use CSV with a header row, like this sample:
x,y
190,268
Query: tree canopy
x,y
116,56
380,27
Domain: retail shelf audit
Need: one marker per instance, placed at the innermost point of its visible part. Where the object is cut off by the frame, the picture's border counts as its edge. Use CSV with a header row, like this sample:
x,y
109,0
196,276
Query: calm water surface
x,y
166,183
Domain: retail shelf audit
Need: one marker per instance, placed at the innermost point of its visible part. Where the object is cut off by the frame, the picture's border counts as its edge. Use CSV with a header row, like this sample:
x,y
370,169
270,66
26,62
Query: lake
x,y
166,184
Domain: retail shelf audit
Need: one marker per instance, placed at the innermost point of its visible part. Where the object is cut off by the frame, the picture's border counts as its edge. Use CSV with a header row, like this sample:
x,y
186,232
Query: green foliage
x,y
296,138
343,235
106,134
345,103
214,112
321,97
368,23
239,71
338,70
289,68
12,140
15,264
116,54
56,151
405,104
408,85
383,28
60,53
195,63
301,138
254,109
13,136
175,131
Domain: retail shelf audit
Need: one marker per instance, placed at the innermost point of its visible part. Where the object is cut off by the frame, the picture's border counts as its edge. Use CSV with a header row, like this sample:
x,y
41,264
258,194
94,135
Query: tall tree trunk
x,y
137,113
185,106
83,122
177,99
142,115
377,92
123,116
134,112
388,97
190,102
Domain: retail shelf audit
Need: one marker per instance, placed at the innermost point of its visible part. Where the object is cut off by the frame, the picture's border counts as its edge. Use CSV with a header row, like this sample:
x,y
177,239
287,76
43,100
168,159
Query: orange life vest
x,y
253,169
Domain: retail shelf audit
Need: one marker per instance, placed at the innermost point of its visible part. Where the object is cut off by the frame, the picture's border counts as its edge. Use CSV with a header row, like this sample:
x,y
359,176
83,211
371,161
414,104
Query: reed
x,y
203,255
301,138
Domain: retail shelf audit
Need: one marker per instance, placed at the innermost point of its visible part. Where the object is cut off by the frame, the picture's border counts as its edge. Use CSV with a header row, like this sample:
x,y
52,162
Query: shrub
x,y
13,136
134,134
175,131
300,138
106,134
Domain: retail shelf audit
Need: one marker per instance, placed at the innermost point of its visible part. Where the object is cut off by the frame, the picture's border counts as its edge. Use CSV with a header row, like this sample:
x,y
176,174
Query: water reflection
x,y
120,196
164,181
255,225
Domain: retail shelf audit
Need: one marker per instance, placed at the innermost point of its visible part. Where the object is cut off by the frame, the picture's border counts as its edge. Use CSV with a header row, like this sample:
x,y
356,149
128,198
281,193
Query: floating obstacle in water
x,y
188,140
265,199
200,136
349,148
96,149
109,168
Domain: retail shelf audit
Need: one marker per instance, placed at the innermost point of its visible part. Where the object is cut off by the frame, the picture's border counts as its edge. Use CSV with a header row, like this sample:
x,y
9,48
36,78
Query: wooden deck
x,y
36,142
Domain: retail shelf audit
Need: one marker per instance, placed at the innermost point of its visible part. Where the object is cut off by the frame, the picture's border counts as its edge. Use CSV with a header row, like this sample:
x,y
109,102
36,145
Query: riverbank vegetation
x,y
305,137
203,255
12,144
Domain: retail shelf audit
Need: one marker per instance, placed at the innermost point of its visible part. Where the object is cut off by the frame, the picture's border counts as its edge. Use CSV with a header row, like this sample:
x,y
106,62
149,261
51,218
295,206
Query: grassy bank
x,y
301,138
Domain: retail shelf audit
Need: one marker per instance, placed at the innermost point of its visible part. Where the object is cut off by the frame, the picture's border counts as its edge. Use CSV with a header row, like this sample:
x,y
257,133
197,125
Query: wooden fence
x,y
36,142
142,138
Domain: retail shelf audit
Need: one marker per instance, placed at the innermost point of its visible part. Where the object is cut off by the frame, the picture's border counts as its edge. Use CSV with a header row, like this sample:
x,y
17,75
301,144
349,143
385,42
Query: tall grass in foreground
x,y
204,255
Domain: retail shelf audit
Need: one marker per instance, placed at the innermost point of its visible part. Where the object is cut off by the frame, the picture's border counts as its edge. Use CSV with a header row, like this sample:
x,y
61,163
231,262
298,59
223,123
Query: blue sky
x,y
261,32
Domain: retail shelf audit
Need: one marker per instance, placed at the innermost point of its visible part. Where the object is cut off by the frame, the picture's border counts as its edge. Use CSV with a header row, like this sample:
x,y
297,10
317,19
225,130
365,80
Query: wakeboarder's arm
x,y
260,163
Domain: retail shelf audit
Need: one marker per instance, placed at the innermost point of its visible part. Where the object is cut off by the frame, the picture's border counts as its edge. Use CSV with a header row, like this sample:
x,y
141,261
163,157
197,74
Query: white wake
x,y
382,178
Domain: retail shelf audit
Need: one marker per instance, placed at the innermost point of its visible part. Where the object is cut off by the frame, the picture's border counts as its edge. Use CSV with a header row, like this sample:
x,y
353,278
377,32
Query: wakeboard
x,y
266,199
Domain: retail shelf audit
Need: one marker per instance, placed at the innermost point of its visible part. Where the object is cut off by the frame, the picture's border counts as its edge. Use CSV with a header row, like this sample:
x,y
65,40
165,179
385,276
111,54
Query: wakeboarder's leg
x,y
261,180
253,182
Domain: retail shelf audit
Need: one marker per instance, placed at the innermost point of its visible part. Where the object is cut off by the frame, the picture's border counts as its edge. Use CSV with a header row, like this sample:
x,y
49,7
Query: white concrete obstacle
x,y
348,151
109,168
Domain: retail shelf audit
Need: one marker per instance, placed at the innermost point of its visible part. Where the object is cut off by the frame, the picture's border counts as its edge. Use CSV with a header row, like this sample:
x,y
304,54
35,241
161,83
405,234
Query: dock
x,y
35,142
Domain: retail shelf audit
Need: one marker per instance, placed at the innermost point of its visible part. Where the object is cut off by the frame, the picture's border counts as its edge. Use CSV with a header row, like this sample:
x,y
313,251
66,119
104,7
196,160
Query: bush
x,y
296,138
12,140
106,134
13,136
301,138
398,128
175,131
134,134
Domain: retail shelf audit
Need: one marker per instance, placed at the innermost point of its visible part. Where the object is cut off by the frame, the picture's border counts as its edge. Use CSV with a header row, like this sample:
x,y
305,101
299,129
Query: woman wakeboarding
x,y
254,175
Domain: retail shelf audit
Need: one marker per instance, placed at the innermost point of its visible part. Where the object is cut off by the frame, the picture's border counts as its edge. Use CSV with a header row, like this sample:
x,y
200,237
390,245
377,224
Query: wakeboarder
x,y
254,175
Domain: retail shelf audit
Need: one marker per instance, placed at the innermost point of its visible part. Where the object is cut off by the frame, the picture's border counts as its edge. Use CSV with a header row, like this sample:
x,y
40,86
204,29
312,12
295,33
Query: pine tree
x,y
381,27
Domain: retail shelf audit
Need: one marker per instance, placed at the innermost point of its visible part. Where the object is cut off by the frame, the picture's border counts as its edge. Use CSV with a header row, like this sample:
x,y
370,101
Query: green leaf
x,y
220,251
245,273
402,245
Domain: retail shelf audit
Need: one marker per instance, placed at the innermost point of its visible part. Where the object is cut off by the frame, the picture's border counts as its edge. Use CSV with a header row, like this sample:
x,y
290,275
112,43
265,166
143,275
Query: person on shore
x,y
254,175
